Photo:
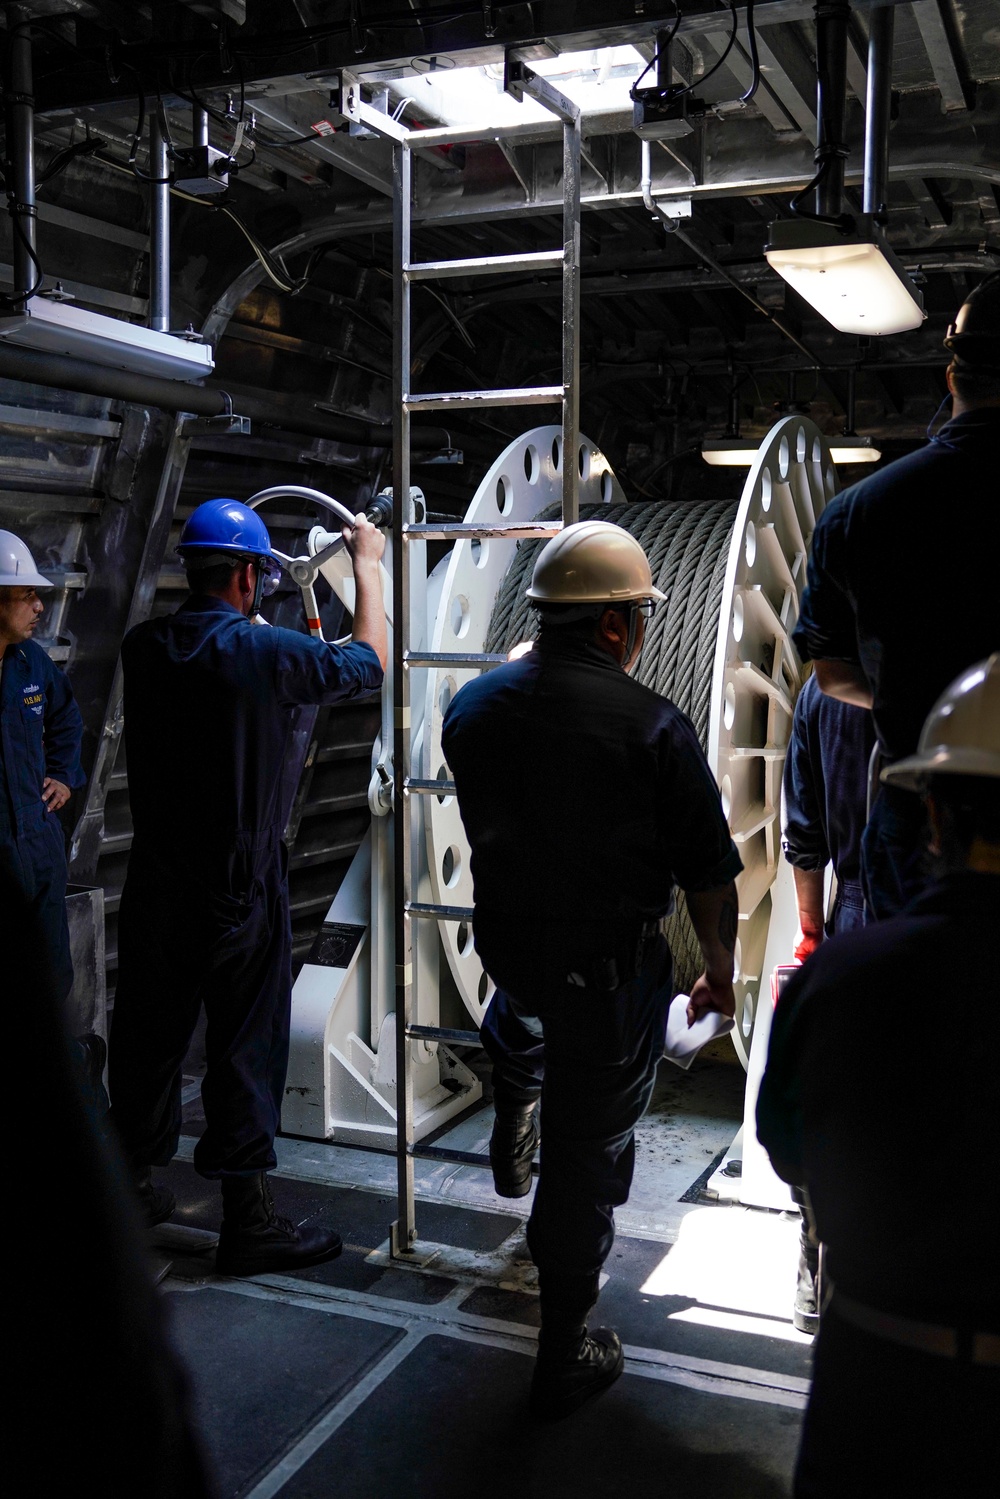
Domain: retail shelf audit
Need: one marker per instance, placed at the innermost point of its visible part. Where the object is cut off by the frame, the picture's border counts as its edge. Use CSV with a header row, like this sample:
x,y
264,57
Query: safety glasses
x,y
647,607
270,571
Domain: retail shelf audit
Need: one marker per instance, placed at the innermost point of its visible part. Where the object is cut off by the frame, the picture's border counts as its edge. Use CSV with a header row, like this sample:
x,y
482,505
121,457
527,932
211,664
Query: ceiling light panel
x,y
597,81
853,280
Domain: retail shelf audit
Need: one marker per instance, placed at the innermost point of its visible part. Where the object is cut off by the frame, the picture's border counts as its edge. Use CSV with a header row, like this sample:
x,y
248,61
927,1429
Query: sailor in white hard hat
x,y
40,735
880,1099
586,798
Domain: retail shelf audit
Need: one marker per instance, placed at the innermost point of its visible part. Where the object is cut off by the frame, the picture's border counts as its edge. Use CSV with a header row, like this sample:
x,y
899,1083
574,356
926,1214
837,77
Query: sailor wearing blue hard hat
x,y
223,531
40,734
210,702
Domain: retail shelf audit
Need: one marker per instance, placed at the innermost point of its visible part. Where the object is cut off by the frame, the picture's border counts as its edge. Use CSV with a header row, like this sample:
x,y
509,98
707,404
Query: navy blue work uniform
x,y
886,1127
209,704
824,796
40,734
585,798
902,579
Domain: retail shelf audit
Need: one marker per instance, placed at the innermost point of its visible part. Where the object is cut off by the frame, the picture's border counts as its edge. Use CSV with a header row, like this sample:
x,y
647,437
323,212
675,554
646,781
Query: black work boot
x,y
254,1239
156,1204
512,1148
805,1312
559,1386
573,1364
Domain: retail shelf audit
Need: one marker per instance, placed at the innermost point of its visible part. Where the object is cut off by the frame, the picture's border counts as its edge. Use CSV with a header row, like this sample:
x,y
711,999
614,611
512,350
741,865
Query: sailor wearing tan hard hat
x,y
595,569
586,798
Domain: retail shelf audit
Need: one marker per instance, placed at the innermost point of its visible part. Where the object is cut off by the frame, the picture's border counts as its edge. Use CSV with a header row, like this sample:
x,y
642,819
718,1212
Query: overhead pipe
x,y
61,372
878,107
21,149
832,17
159,226
849,413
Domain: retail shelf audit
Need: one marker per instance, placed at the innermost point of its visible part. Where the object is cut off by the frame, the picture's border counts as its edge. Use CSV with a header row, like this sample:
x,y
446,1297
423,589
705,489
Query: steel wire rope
x,y
688,550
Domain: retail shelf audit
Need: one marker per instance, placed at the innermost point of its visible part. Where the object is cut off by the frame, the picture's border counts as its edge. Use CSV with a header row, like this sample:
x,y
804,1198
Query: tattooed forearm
x,y
715,916
729,920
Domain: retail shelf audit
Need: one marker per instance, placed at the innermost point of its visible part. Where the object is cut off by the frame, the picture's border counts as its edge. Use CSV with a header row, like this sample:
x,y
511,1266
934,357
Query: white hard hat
x,y
961,734
17,565
592,562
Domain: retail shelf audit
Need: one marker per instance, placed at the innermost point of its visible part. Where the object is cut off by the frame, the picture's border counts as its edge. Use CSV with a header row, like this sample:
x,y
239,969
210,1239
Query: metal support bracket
x,y
519,79
346,97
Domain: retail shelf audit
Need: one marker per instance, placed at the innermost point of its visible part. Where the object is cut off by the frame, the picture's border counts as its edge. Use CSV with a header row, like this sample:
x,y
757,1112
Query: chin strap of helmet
x,y
258,590
633,630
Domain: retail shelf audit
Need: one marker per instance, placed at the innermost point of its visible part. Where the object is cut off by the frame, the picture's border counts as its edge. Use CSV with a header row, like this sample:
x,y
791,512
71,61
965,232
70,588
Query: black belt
x,y
925,1337
621,961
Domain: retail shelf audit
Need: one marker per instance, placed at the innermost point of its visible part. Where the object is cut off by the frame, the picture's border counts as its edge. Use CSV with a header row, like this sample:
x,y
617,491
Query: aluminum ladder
x,y
519,81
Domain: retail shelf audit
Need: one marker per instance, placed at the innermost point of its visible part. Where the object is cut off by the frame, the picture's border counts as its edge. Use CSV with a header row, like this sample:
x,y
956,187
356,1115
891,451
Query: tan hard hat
x,y
592,562
961,734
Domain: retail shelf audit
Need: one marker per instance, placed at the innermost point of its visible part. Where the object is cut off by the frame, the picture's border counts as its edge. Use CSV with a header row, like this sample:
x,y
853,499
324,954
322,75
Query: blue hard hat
x,y
225,526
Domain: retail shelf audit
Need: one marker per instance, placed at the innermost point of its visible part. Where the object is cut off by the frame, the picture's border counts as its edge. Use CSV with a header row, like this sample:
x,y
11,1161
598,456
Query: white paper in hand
x,y
684,1041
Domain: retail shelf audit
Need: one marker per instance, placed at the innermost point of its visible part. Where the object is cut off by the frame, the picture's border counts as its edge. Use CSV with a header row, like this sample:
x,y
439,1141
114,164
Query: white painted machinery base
x,y
756,1185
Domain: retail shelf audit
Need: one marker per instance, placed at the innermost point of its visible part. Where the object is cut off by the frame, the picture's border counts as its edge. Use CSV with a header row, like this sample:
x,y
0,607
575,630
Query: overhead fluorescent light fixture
x,y
730,452
849,448
60,328
853,280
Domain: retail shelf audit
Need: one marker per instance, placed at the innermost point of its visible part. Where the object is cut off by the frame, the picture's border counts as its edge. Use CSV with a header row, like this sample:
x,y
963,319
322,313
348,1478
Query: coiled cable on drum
x,y
688,549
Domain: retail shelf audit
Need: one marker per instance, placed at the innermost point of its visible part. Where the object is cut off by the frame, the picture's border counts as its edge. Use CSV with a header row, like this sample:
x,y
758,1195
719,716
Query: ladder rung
x,y
459,1157
452,658
443,1033
439,913
484,265
430,788
521,530
457,400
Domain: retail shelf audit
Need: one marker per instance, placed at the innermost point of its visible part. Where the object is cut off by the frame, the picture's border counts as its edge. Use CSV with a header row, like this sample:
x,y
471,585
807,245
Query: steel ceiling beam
x,y
691,278
341,151
937,43
765,99
486,208
576,25
800,103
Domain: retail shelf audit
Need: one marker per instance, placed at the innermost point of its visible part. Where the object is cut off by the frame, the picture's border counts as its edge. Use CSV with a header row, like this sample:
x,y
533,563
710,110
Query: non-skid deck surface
x,y
356,1379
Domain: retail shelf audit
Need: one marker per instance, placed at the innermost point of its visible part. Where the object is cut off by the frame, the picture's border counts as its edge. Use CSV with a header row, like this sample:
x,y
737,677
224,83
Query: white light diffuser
x,y
60,328
851,449
730,452
853,280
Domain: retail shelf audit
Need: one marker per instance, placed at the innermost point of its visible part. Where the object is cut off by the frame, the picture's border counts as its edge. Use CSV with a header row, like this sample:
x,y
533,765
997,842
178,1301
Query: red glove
x,y
806,944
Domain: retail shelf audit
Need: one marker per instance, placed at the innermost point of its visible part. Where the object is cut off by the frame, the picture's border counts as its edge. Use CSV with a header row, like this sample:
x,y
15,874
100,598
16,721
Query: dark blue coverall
x,y
881,1097
40,734
824,796
902,579
209,705
585,798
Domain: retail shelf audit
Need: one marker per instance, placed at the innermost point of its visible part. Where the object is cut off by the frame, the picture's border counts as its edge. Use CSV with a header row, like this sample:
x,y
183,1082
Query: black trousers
x,y
220,939
592,1058
34,864
884,1420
